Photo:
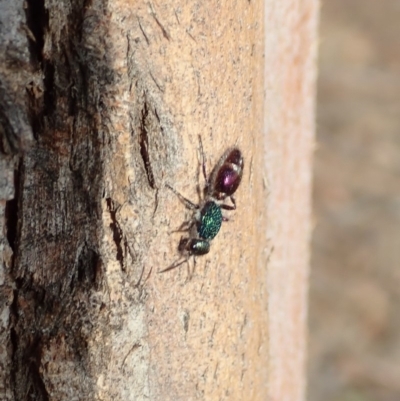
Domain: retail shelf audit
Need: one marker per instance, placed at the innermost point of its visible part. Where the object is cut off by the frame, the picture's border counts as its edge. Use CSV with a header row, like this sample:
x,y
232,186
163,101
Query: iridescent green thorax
x,y
210,220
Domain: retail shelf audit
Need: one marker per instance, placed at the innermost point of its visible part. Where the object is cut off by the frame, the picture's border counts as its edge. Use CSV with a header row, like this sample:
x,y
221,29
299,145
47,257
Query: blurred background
x,y
354,318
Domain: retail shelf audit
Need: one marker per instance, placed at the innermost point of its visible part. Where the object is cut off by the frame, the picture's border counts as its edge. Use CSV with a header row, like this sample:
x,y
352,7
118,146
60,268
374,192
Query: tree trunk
x,y
101,107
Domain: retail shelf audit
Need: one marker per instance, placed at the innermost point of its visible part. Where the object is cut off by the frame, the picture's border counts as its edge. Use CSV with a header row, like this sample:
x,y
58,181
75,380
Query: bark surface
x,y
101,106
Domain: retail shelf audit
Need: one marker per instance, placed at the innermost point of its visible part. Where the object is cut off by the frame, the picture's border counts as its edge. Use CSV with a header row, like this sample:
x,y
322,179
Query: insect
x,y
225,177
207,218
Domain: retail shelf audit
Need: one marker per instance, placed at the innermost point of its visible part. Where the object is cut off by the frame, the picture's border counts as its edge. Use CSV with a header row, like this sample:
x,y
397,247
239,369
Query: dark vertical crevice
x,y
144,145
88,267
49,98
11,216
37,20
40,103
37,389
11,211
117,232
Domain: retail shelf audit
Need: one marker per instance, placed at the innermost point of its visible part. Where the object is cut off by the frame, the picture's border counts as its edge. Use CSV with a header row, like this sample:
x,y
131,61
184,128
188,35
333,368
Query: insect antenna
x,y
189,204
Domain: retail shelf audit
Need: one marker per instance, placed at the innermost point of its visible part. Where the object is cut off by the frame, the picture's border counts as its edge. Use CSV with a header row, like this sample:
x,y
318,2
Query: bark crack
x,y
37,20
144,145
117,231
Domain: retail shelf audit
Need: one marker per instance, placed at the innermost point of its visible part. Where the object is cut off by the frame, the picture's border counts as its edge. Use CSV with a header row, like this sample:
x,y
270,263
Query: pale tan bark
x,y
128,87
290,65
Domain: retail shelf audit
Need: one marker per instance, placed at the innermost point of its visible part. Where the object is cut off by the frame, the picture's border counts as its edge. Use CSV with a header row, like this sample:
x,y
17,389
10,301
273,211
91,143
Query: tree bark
x,y
290,51
101,107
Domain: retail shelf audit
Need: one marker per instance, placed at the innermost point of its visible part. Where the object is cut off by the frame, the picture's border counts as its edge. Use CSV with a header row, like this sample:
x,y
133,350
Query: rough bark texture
x,y
102,110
